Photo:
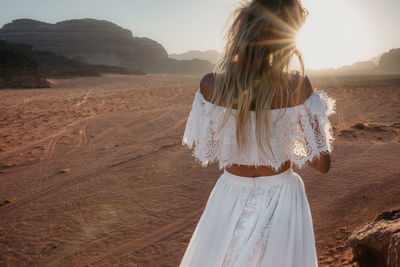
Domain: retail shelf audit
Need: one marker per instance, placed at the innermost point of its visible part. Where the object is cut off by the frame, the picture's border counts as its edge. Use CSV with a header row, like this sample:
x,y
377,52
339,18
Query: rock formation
x,y
377,244
57,66
18,71
390,61
97,42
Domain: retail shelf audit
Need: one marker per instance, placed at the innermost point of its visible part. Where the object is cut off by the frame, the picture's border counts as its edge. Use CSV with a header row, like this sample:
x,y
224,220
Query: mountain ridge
x,y
386,63
99,42
209,55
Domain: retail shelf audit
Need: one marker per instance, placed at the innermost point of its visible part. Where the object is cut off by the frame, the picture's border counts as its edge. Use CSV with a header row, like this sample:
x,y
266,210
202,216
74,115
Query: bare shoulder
x,y
306,88
302,88
207,85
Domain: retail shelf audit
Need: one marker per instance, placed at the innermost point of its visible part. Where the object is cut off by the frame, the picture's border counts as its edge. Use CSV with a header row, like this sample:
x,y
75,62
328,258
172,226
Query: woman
x,y
257,120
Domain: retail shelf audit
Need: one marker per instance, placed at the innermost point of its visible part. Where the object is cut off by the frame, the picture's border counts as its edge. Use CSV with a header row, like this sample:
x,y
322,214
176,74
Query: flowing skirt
x,y
263,221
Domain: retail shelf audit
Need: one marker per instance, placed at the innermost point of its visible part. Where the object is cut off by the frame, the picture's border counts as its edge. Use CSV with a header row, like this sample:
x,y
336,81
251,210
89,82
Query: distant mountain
x,y
361,67
376,59
97,42
387,63
210,55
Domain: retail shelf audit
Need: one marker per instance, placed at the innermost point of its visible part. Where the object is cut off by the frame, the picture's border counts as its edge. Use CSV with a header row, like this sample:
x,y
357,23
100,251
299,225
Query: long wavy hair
x,y
255,65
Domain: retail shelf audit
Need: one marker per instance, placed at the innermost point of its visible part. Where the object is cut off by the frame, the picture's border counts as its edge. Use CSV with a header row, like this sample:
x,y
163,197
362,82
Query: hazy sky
x,y
337,32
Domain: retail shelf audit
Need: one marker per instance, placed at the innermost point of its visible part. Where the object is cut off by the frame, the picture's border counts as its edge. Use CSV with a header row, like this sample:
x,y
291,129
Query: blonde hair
x,y
255,63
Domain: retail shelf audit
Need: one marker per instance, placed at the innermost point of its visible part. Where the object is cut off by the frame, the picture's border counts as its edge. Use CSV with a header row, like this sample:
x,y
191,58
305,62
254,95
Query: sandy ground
x,y
93,173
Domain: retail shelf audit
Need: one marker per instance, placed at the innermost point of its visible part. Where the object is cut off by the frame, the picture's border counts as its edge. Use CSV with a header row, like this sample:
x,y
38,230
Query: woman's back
x,y
299,134
299,96
256,120
321,164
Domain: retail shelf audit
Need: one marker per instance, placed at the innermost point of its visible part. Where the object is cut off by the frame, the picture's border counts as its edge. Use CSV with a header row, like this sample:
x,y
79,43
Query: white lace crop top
x,y
300,134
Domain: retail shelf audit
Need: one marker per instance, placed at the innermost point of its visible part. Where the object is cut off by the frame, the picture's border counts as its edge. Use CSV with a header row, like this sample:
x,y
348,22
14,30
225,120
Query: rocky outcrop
x,y
18,71
377,244
96,42
209,55
390,61
88,40
57,66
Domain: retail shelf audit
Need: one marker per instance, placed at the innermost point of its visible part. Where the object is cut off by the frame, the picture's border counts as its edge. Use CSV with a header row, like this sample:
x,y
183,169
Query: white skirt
x,y
263,221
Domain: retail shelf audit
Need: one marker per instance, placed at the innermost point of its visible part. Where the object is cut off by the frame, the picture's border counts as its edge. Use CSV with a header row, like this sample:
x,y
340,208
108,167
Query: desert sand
x,y
93,172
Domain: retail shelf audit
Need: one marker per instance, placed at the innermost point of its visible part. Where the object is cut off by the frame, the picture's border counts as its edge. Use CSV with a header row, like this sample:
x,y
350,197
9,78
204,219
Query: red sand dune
x,y
93,173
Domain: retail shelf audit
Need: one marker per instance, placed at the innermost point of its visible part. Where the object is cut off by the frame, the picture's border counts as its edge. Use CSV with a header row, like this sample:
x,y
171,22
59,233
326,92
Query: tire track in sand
x,y
71,181
63,130
51,148
149,239
84,100
83,140
60,132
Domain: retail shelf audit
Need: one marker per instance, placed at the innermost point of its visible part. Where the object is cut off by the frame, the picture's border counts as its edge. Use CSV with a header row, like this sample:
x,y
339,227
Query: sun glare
x,y
334,34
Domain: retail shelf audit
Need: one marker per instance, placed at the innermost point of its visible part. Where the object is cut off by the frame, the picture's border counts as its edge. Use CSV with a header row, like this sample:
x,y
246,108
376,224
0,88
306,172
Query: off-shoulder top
x,y
297,133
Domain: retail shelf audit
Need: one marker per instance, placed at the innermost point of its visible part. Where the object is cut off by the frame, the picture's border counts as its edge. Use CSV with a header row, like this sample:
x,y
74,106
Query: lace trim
x,y
300,134
250,226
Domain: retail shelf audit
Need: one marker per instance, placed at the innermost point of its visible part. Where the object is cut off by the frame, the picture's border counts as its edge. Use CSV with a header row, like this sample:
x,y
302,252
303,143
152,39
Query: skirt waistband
x,y
288,176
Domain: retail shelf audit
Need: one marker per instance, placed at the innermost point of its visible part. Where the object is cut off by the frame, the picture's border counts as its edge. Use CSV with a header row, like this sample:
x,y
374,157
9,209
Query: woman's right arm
x,y
323,162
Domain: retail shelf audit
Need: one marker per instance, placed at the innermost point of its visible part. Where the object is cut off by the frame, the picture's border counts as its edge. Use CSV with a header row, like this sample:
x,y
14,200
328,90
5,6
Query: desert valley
x,y
92,167
93,172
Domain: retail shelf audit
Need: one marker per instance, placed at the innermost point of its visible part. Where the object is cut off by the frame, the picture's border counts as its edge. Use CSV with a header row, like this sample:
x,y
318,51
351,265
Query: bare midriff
x,y
252,171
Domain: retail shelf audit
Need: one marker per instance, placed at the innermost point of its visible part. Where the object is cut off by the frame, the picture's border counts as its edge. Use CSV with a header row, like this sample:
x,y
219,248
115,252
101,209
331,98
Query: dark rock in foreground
x,y
377,244
19,71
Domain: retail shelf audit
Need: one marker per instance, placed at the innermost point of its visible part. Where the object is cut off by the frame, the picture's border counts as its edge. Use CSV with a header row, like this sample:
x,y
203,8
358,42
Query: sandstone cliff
x,y
98,42
57,66
390,61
